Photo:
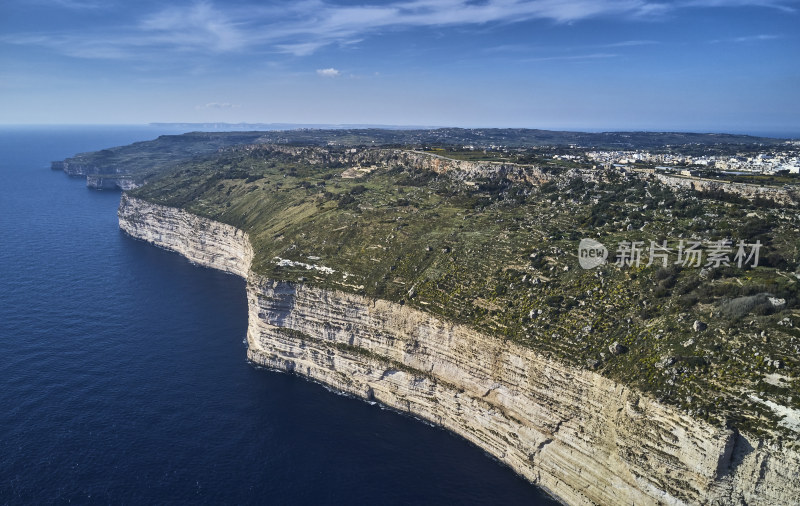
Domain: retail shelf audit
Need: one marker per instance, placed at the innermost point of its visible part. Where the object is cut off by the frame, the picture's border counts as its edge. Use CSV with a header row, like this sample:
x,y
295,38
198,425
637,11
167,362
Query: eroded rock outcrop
x,y
111,183
97,178
782,195
354,158
583,437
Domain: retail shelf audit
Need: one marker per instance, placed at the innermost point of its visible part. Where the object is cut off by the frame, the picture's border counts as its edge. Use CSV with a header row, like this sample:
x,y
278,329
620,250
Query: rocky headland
x,y
583,437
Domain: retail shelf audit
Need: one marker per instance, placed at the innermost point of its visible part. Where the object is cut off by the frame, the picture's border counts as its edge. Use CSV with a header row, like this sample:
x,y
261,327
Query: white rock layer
x,y
582,437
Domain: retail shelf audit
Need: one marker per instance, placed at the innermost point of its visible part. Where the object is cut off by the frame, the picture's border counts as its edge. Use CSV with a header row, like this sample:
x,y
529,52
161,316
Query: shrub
x,y
775,259
741,306
687,301
346,200
727,290
691,284
764,309
554,300
549,187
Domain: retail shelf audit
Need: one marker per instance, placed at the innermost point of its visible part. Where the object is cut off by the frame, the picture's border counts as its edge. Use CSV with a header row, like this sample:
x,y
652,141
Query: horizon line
x,y
776,133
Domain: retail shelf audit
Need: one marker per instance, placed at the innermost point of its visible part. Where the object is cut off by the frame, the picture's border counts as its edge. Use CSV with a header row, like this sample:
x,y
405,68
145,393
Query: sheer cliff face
x,y
95,181
202,241
583,437
111,183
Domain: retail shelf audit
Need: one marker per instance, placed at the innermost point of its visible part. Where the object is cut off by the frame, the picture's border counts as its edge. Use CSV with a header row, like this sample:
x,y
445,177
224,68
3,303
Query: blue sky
x,y
701,65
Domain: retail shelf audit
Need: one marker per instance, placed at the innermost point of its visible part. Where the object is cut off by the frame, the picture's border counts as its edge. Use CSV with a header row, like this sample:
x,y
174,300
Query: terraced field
x,y
499,253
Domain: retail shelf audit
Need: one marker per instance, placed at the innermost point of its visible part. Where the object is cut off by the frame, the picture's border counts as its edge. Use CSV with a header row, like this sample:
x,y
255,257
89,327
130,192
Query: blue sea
x,y
123,377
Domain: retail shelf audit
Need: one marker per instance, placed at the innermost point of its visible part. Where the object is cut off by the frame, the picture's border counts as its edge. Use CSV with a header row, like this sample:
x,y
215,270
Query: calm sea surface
x,y
123,376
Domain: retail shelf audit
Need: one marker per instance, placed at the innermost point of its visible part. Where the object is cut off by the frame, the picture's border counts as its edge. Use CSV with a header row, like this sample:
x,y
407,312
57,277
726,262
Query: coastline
x,y
581,437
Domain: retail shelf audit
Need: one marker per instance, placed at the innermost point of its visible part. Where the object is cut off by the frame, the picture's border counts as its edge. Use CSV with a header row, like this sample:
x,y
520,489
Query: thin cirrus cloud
x,y
783,5
70,4
575,58
748,38
756,38
306,26
517,49
631,43
217,105
199,26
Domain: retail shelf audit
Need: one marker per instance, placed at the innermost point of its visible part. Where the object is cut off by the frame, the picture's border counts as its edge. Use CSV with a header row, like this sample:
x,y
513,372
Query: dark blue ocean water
x,y
123,376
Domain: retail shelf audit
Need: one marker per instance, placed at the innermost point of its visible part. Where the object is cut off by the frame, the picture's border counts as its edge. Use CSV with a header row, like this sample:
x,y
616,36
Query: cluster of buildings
x,y
766,163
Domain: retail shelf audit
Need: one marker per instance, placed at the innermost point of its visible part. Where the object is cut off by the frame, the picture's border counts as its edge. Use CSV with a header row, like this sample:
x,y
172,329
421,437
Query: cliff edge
x,y
584,438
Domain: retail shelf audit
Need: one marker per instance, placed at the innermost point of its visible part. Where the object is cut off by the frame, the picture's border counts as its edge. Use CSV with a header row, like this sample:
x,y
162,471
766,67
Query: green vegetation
x,y
143,160
765,179
500,255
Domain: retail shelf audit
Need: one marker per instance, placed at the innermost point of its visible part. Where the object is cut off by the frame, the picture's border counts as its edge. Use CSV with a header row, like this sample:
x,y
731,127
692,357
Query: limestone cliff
x,y
582,437
111,183
391,158
94,176
782,195
200,240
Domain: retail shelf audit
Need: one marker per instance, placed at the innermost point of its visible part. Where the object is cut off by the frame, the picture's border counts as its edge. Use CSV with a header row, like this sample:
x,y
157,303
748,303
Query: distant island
x,y
234,127
616,316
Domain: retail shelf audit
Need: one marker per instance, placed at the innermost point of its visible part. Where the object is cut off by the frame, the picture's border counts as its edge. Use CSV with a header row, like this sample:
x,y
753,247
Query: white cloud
x,y
218,105
331,72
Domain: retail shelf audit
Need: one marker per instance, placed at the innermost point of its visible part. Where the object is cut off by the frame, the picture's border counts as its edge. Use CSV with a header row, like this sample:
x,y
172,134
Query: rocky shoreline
x,y
580,436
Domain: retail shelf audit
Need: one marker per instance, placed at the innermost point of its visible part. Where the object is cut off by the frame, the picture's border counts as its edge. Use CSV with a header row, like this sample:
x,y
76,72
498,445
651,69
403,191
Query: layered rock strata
x,y
111,183
94,176
582,437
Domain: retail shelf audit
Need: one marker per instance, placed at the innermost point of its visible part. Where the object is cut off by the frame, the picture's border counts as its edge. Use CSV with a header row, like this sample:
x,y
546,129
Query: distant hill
x,y
135,163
